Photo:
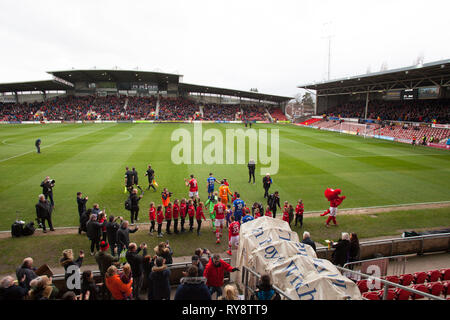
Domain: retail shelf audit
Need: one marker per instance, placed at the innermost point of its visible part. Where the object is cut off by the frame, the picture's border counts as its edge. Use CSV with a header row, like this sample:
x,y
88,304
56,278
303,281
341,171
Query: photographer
x,y
81,202
164,250
44,212
111,232
251,170
136,262
165,197
47,189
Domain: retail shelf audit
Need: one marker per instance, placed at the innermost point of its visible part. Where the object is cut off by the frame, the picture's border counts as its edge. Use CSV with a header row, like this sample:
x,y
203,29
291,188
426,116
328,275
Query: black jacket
x,y
273,201
66,263
111,232
340,254
29,275
310,242
81,205
94,230
123,236
94,290
192,288
266,182
46,187
104,261
354,251
13,292
159,283
43,209
150,174
251,167
136,261
134,201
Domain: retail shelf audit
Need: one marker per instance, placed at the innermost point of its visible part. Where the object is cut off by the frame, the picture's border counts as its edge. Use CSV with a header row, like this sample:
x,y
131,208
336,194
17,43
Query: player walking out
x,y
210,185
193,187
238,205
233,234
210,204
219,212
224,191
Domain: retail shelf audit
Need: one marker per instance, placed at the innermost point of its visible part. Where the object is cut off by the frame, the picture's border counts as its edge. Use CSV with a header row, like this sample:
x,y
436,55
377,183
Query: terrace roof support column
x,y
367,103
16,96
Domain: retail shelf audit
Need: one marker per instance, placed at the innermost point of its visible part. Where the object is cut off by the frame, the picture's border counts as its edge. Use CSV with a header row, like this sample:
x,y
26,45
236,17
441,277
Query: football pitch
x,y
91,158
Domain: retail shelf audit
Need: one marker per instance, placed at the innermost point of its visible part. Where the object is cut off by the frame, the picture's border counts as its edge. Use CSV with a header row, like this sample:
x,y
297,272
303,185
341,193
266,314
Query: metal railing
x,y
398,268
387,284
394,241
246,272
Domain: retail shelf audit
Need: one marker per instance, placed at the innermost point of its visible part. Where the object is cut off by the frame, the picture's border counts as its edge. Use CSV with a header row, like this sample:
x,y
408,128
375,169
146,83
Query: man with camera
x,y
136,263
47,189
81,202
44,212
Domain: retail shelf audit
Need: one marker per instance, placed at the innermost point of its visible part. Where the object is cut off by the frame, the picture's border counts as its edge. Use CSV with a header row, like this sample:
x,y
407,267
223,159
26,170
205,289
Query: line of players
x,y
222,213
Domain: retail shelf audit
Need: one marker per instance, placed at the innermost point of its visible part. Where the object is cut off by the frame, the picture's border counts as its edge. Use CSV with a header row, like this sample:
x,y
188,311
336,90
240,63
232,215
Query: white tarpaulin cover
x,y
268,245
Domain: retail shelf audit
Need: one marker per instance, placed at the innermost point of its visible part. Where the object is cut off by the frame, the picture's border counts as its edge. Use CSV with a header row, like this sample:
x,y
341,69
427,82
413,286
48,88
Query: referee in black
x,y
38,145
150,173
136,179
251,170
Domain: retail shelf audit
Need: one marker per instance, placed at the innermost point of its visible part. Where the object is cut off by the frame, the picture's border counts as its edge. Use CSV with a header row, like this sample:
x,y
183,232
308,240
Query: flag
x,y
155,183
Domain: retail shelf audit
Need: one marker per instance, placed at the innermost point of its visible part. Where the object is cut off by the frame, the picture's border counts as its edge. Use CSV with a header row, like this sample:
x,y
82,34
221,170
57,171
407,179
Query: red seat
x,y
435,288
445,274
391,294
434,275
420,287
371,295
406,279
446,284
393,279
420,277
362,285
401,294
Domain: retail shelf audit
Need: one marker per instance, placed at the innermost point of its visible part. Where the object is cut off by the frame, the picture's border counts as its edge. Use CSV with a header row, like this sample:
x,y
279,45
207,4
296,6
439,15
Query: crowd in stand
x,y
112,107
413,111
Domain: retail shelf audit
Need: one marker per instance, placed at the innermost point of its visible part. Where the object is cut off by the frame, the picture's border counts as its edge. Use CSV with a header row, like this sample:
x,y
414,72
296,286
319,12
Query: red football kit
x,y
160,217
152,214
175,211
219,209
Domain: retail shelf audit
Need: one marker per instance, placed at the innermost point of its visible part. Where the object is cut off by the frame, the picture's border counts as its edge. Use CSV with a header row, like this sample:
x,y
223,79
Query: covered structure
x,y
397,84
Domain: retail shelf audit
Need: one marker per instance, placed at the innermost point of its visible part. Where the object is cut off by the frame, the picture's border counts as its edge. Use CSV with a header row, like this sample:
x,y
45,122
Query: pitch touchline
x,y
388,206
343,209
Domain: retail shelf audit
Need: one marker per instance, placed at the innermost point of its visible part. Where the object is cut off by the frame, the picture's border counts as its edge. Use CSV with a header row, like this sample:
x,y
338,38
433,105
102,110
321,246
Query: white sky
x,y
271,45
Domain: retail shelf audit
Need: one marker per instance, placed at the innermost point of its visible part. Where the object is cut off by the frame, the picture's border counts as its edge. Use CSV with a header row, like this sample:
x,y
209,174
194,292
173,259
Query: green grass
x,y
48,248
92,157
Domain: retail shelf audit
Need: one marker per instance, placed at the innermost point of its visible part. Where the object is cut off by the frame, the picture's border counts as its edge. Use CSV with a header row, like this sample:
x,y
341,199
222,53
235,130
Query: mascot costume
x,y
332,195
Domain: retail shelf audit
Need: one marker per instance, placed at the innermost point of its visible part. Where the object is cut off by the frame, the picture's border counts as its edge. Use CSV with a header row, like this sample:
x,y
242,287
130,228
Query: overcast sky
x,y
270,45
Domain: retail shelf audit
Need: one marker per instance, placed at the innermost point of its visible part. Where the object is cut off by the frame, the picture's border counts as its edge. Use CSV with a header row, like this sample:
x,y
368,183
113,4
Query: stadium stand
x,y
413,111
277,114
71,108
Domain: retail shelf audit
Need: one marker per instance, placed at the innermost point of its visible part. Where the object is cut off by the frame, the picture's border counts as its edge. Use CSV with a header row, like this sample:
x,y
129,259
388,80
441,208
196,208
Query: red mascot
x,y
335,200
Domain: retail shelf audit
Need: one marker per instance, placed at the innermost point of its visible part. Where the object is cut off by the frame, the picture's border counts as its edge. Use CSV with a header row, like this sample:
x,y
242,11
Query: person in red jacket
x,y
199,215
175,214
152,217
268,213
219,212
214,273
191,214
168,217
286,213
299,209
183,211
159,219
257,213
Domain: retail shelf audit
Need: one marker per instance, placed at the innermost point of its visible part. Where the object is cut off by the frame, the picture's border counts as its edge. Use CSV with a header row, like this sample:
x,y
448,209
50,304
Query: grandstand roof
x,y
42,85
116,76
187,87
427,75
